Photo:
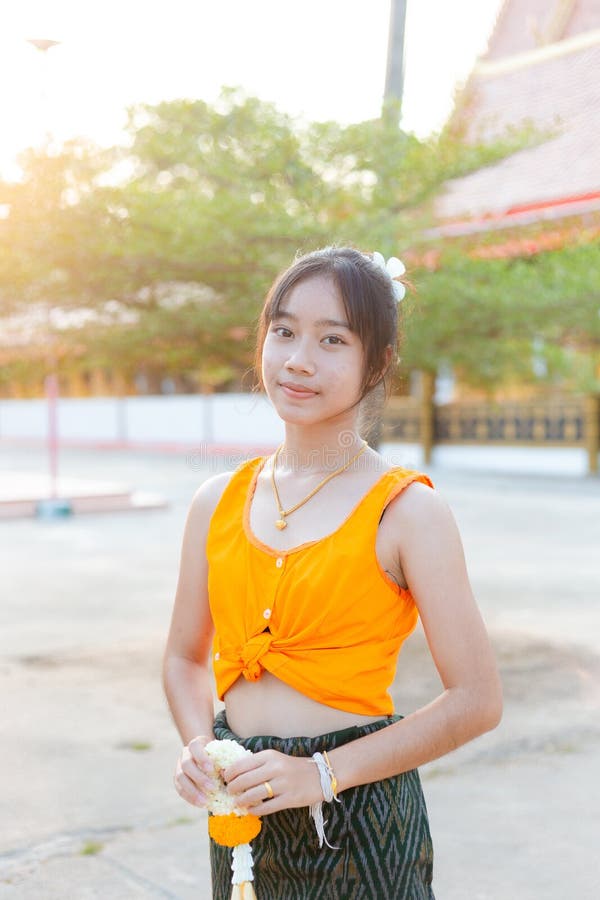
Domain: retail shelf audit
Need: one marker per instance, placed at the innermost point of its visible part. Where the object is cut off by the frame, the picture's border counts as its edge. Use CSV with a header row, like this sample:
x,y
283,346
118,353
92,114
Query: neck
x,y
317,450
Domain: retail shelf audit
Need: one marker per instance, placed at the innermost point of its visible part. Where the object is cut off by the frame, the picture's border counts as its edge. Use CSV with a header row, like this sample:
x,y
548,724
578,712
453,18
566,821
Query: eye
x,y
281,331
334,339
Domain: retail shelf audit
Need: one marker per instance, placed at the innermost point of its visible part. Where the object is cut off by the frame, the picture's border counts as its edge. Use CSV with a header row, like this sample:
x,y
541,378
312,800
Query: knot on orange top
x,y
252,652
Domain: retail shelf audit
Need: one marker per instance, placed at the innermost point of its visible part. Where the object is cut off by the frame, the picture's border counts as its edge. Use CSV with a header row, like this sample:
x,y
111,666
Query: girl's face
x,y
312,363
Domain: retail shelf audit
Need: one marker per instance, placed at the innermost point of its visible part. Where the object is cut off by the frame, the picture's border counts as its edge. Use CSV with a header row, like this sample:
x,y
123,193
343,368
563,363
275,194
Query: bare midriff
x,y
270,706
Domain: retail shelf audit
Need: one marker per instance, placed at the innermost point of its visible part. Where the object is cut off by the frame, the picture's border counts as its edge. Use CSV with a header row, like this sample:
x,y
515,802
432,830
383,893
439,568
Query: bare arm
x,y
186,660
432,559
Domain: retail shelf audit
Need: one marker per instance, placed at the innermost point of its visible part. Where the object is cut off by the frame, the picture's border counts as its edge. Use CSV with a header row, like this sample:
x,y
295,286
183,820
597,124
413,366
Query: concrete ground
x,y
87,749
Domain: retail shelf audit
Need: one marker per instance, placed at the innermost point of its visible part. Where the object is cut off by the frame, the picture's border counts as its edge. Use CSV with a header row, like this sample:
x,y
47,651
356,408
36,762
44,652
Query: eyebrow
x,y
334,323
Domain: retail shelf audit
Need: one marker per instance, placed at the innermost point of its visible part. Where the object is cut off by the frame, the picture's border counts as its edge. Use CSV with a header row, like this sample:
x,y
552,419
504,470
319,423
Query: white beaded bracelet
x,y
329,788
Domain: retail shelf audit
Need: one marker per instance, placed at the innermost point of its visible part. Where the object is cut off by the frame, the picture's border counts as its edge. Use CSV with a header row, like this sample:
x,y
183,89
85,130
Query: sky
x,y
316,59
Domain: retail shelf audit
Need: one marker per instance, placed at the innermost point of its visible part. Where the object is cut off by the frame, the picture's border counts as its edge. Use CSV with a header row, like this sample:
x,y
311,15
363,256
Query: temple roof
x,y
523,25
542,68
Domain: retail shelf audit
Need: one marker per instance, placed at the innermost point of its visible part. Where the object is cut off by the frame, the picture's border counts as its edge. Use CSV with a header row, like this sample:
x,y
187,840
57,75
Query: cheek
x,y
349,375
269,358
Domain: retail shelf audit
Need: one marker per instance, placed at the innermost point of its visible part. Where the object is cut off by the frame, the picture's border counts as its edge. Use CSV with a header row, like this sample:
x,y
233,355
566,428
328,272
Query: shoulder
x,y
416,503
208,495
426,541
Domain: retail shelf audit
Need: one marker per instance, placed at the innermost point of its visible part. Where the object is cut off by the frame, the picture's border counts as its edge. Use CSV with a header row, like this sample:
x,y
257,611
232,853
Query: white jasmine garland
x,y
223,754
220,803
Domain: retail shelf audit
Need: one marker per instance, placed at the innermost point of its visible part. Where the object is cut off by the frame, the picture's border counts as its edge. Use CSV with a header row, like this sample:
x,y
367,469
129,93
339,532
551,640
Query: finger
x,y
256,795
246,781
194,772
197,778
241,767
198,754
192,793
267,806
188,767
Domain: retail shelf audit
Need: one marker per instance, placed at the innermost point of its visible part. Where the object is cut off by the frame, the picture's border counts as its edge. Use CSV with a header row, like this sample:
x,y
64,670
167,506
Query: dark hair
x,y
369,302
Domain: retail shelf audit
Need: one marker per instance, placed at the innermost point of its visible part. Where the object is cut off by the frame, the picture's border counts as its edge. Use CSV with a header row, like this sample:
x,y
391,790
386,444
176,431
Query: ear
x,y
387,358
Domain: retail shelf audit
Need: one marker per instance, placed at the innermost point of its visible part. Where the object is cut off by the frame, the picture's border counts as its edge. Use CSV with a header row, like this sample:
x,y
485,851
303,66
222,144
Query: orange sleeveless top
x,y
323,617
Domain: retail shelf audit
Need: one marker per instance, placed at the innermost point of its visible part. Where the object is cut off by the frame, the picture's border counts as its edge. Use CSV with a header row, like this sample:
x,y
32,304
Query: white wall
x,y
23,418
179,419
567,461
241,420
76,416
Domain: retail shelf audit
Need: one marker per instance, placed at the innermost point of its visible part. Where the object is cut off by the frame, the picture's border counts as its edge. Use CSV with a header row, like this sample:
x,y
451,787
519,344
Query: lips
x,y
292,389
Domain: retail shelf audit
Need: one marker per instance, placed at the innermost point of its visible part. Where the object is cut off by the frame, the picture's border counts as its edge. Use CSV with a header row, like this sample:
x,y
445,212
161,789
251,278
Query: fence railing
x,y
553,422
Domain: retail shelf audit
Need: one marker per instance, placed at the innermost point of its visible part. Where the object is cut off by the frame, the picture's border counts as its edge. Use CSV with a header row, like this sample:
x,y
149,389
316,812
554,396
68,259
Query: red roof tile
x,y
524,25
556,88
520,26
585,17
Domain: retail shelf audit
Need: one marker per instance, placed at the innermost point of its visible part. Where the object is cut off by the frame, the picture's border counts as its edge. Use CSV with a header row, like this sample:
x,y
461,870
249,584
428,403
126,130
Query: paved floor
x,y
87,808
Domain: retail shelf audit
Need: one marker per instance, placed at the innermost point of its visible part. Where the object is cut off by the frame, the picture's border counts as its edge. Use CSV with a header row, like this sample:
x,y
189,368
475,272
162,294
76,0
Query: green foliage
x,y
137,746
488,318
173,240
91,848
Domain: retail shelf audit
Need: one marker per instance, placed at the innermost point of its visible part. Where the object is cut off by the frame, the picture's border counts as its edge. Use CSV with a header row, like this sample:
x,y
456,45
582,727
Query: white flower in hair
x,y
394,268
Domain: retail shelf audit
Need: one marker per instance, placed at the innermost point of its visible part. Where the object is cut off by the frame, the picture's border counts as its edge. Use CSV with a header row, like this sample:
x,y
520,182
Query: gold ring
x,y
270,791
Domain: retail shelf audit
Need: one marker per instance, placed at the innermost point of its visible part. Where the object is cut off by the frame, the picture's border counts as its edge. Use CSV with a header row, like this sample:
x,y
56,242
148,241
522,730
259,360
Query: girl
x,y
301,575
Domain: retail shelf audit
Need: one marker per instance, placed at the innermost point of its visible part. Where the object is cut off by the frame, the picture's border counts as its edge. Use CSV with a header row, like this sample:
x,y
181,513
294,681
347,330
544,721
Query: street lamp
x,y
53,506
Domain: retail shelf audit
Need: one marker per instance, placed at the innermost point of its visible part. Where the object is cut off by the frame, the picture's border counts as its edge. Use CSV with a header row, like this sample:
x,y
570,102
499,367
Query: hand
x,y
294,780
194,772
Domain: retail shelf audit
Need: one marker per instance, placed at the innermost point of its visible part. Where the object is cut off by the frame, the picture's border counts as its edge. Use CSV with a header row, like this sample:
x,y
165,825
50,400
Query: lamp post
x,y
53,506
394,74
390,109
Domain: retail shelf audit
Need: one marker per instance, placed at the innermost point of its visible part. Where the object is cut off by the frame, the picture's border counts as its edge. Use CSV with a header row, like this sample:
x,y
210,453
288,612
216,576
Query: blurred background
x,y
159,165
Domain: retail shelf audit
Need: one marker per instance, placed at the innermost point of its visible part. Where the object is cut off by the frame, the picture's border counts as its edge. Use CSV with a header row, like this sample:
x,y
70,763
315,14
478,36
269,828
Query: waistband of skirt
x,y
300,746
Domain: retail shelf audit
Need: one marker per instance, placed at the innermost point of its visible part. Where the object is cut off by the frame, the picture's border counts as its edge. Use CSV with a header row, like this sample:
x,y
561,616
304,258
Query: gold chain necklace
x,y
284,513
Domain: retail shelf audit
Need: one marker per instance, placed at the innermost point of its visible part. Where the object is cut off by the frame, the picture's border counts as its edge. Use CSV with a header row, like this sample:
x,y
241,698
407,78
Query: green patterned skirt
x,y
381,829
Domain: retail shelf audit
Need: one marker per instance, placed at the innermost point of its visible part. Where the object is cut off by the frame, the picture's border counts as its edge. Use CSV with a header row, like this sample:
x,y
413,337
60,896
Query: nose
x,y
300,360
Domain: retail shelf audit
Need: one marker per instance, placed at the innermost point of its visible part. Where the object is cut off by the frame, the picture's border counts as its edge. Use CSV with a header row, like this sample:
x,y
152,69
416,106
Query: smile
x,y
297,391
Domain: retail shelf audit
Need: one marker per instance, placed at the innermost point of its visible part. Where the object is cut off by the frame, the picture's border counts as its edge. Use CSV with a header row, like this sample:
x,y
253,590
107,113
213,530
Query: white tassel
x,y
316,810
241,864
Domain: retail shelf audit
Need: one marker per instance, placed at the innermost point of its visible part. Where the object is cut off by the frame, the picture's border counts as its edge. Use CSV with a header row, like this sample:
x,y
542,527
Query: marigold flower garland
x,y
231,825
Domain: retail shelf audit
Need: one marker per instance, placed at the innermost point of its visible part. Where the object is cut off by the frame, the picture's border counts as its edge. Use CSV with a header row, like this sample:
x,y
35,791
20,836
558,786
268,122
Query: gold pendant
x,y
281,524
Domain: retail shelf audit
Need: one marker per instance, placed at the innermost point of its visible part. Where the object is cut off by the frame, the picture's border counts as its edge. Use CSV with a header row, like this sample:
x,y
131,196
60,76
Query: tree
x,y
163,249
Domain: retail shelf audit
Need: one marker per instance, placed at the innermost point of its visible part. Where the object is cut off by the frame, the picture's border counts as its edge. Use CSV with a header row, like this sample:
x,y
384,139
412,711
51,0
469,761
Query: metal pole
x,y
392,100
54,505
592,431
51,386
427,414
394,75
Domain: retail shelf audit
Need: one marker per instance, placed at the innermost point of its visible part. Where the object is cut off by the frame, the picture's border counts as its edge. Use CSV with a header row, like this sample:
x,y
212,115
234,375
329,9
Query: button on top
x,y
217,656
267,614
279,562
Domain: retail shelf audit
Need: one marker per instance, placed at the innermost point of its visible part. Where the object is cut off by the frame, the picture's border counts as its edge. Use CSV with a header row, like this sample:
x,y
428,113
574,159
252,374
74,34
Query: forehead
x,y
317,296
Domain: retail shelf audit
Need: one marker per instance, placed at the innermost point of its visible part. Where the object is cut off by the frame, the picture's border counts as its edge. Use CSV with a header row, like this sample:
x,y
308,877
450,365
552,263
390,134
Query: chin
x,y
296,417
